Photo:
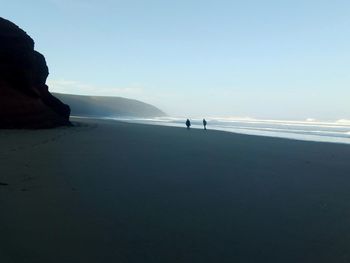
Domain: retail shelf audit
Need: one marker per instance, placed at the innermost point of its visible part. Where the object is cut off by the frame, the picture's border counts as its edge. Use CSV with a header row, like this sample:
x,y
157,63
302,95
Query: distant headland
x,y
101,106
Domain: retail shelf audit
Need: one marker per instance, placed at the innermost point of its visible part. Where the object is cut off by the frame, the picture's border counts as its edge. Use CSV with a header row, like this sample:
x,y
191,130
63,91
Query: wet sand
x,y
107,191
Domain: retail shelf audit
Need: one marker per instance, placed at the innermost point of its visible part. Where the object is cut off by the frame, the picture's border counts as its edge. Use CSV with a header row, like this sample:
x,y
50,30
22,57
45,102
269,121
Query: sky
x,y
270,59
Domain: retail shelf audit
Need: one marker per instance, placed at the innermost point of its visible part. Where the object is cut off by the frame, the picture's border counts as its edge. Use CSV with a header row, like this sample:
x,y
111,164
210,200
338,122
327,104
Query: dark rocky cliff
x,y
25,101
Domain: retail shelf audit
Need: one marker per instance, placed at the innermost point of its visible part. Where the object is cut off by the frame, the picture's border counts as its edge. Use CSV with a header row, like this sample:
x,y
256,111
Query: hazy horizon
x,y
267,60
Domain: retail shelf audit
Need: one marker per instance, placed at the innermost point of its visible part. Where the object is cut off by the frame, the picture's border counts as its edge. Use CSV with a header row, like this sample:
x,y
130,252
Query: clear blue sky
x,y
265,59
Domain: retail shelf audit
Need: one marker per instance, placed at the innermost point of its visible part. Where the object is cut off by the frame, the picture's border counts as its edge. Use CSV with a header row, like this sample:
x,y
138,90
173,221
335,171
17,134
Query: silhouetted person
x,y
205,124
188,123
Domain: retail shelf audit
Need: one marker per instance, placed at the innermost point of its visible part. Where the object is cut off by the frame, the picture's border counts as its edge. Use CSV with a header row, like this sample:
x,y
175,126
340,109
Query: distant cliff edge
x,y
100,106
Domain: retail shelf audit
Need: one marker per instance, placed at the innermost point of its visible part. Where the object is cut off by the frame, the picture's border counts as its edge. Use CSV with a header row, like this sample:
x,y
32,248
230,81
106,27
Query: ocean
x,y
308,130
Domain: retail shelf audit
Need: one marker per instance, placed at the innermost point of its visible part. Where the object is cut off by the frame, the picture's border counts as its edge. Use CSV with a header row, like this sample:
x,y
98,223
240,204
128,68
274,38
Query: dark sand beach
x,y
106,191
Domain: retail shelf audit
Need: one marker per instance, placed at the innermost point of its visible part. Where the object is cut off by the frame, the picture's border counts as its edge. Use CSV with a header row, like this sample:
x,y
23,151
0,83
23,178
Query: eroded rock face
x,y
25,101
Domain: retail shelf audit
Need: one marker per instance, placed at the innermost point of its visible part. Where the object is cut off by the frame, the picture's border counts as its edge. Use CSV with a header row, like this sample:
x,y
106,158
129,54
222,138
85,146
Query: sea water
x,y
311,130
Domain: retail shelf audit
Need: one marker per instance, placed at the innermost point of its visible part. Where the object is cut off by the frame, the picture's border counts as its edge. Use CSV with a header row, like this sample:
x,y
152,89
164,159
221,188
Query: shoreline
x,y
259,133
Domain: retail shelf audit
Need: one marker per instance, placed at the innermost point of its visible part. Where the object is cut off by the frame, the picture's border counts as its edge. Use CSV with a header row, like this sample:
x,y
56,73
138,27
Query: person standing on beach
x,y
188,123
205,124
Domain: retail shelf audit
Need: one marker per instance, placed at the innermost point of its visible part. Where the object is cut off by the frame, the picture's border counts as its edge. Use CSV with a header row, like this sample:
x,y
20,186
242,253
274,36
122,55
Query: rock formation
x,y
25,101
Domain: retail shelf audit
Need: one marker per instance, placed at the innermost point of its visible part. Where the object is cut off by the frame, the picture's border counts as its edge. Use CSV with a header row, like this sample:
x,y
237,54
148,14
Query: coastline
x,y
108,191
334,132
